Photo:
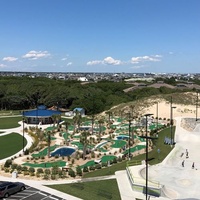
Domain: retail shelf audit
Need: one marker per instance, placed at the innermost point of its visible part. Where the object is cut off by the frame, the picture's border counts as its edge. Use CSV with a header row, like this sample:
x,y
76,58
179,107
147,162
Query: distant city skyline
x,y
132,36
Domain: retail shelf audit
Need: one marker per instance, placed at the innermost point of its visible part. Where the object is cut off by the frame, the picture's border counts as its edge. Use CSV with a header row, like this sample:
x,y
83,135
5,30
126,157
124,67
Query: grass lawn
x,y
106,189
11,144
9,122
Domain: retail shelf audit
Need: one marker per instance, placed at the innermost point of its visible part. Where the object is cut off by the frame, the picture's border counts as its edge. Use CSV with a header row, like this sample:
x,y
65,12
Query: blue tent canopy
x,y
41,113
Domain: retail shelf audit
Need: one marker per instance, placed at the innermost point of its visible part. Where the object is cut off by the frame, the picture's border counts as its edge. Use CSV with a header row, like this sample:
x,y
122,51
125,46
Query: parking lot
x,y
33,194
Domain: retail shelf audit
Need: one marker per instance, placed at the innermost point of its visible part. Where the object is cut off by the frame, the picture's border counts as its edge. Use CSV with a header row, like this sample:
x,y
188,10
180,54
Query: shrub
x,y
98,166
46,177
85,169
53,176
24,168
14,166
40,171
119,159
115,160
72,173
26,173
104,164
47,171
79,171
26,152
19,168
6,170
8,163
31,170
92,168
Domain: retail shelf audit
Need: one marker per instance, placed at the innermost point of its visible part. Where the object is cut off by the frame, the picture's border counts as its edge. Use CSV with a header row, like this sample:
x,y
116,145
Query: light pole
x,y
23,129
157,119
197,106
129,135
147,144
171,122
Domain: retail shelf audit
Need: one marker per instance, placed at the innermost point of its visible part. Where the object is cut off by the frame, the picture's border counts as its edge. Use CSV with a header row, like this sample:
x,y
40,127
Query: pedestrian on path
x,y
193,165
183,163
187,154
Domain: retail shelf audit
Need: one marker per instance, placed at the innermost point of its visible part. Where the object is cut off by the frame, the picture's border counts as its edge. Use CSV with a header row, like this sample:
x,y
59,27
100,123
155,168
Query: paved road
x,y
33,194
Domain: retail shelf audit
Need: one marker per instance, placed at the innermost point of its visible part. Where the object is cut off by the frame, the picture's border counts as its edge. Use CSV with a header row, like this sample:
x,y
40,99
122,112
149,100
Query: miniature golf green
x,y
44,151
58,163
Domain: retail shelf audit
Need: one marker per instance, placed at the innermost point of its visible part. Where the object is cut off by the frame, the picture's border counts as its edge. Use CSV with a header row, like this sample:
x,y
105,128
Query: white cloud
x,y
63,59
34,55
2,65
106,61
154,58
111,61
69,63
94,62
10,59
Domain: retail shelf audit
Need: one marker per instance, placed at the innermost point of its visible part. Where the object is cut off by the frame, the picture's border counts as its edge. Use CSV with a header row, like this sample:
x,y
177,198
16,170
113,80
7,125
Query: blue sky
x,y
160,36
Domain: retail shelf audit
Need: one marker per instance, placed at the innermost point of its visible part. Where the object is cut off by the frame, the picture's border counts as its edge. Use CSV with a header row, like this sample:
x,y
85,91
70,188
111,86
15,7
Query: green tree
x,y
84,140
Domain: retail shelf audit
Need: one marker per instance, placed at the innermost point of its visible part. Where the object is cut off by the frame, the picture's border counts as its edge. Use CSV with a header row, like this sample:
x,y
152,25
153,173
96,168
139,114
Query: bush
x,y
31,170
104,164
79,171
98,166
72,173
92,168
53,177
40,171
47,171
26,152
6,170
19,168
46,177
115,160
85,169
14,166
8,163
24,168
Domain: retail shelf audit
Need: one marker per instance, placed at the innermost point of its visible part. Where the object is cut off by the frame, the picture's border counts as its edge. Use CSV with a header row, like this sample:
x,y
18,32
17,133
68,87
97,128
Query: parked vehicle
x,y
8,188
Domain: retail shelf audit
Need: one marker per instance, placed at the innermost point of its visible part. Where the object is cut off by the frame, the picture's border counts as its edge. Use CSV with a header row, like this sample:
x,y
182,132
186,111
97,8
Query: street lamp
x,y
147,144
157,119
23,129
129,135
171,122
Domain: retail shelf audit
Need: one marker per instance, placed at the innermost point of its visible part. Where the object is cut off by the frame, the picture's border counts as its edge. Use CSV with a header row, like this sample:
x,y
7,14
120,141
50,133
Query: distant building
x,y
79,110
82,79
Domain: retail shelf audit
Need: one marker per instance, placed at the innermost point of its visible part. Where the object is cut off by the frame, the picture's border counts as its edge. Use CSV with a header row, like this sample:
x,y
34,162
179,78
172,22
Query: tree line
x,y
20,93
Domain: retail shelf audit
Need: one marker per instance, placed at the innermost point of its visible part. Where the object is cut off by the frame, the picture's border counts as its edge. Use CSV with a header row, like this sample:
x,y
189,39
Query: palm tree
x,y
100,121
49,142
66,123
84,140
54,119
77,120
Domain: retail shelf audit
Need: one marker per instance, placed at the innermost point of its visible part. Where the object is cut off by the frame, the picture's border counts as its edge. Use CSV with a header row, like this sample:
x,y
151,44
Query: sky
x,y
116,36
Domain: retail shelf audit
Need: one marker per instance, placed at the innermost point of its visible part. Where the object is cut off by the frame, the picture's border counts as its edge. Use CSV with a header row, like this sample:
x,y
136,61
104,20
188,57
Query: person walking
x,y
183,163
187,154
193,165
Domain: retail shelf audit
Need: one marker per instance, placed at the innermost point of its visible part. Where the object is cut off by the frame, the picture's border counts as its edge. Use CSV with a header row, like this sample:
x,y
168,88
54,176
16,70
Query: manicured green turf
x,y
9,122
101,190
58,163
44,152
11,144
154,157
